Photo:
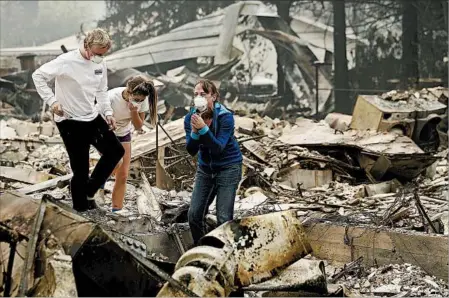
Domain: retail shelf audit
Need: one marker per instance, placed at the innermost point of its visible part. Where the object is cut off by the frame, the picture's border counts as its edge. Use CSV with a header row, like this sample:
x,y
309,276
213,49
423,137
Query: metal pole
x,y
8,277
157,138
173,142
316,90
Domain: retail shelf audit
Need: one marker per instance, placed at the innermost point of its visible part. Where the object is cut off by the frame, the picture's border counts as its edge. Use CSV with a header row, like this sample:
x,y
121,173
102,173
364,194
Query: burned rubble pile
x,y
402,280
388,175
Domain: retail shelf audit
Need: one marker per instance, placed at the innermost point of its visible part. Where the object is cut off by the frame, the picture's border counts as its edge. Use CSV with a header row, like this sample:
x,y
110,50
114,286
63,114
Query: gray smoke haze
x,y
28,23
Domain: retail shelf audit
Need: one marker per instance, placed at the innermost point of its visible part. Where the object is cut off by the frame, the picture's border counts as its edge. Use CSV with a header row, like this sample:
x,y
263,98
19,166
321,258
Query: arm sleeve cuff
x,y
194,136
51,101
203,130
108,113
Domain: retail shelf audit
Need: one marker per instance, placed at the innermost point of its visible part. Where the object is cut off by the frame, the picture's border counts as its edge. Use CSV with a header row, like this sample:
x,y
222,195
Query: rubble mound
x,y
403,280
432,94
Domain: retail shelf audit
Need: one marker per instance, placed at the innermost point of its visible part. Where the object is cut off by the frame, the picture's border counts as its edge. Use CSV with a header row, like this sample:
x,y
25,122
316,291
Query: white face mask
x,y
200,103
136,103
96,59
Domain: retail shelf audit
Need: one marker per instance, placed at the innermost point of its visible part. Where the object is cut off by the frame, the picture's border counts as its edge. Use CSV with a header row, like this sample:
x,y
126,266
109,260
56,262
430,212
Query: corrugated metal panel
x,y
164,47
169,37
196,50
185,42
195,29
206,22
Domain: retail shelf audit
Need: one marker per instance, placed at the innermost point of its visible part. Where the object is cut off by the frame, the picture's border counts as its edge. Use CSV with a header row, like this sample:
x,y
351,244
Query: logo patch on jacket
x,y
98,71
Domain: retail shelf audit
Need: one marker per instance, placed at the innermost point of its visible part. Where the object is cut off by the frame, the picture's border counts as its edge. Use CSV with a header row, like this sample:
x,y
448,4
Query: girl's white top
x,y
122,114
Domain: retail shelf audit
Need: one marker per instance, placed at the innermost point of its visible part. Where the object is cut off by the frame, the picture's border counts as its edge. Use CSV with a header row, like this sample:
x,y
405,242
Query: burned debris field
x,y
339,111
368,208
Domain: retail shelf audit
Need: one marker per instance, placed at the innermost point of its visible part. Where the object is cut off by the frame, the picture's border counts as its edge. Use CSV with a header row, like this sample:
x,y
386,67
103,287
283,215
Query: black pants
x,y
77,137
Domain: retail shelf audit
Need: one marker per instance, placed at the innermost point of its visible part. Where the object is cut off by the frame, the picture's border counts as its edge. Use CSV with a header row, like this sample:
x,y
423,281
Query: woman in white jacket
x,y
129,105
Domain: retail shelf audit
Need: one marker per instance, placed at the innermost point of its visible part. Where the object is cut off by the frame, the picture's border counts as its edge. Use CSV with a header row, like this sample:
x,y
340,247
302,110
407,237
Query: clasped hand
x,y
196,122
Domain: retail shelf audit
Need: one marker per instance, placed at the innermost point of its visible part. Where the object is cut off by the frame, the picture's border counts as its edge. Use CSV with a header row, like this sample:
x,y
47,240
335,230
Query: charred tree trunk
x,y
410,70
343,102
283,10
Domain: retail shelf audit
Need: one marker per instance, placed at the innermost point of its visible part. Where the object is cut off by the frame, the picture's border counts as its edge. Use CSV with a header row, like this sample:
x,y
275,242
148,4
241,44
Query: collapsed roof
x,y
213,36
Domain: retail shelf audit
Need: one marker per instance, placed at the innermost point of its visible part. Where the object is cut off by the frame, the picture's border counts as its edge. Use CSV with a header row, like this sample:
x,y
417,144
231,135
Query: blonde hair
x,y
98,37
140,86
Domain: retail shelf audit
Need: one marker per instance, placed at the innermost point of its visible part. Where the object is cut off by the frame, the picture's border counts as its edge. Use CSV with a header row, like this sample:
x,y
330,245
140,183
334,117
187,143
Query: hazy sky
x,y
98,8
21,24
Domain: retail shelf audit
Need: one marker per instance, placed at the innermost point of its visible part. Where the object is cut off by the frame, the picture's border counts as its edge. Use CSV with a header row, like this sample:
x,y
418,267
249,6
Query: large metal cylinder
x,y
239,253
219,263
264,244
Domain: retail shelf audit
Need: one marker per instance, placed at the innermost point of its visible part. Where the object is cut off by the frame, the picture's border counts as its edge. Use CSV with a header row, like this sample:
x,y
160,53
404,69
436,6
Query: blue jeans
x,y
222,184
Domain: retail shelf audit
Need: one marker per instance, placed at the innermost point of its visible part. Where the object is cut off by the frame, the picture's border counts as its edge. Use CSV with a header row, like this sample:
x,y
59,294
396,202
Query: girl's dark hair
x,y
208,87
140,86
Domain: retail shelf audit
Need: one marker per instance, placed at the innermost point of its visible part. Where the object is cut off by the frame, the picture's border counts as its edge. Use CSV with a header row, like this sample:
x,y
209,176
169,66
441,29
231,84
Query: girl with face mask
x,y
129,105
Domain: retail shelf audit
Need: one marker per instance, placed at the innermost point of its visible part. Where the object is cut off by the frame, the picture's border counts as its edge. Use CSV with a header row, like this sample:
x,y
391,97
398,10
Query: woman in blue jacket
x,y
209,128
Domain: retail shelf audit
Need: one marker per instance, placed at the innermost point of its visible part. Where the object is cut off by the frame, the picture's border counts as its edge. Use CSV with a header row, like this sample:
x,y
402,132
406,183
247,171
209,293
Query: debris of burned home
x,y
363,209
348,206
177,59
175,69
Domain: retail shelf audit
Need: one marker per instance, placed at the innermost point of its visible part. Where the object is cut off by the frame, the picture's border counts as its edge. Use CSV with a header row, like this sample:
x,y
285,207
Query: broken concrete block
x,y
251,201
24,175
431,283
15,156
276,132
6,132
173,193
388,289
256,149
339,122
244,124
65,281
305,178
268,122
380,167
23,128
268,172
431,170
47,129
147,203
252,190
382,188
441,170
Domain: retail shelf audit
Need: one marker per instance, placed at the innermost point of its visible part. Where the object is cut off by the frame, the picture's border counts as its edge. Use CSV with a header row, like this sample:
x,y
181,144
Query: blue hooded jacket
x,y
217,146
